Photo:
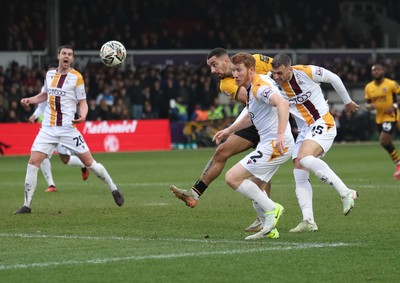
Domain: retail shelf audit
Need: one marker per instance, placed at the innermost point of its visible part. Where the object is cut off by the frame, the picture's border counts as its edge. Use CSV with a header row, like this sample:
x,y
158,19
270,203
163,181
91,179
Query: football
x,y
113,53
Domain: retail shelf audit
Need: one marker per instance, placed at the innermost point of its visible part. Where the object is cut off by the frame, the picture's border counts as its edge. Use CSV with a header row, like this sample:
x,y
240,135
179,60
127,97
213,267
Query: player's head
x,y
219,62
65,56
281,68
243,68
377,72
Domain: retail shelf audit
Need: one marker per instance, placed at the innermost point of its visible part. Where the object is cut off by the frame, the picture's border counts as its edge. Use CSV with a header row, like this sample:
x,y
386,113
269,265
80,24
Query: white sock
x,y
304,193
325,174
30,184
195,194
103,175
260,211
75,161
250,190
46,170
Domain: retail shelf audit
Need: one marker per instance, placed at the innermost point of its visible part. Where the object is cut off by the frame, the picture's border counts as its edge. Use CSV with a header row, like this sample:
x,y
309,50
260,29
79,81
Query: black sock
x,y
392,152
199,187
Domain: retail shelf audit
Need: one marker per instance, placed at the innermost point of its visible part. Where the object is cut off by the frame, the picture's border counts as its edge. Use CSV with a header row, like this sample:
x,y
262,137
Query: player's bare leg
x,y
232,146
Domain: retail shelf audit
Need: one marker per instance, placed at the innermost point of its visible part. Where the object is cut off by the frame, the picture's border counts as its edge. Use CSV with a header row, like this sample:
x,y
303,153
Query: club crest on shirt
x,y
267,92
318,71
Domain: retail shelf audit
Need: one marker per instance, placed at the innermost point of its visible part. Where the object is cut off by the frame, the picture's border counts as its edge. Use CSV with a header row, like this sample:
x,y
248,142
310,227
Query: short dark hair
x,y
218,52
66,47
281,59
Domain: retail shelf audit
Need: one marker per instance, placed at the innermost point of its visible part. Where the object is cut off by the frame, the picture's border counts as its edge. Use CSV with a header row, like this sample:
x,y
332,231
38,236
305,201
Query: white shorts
x,y
63,150
60,149
319,133
265,160
65,138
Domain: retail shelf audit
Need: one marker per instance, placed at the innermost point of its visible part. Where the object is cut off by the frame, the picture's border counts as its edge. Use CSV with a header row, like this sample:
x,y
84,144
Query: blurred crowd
x,y
180,93
174,24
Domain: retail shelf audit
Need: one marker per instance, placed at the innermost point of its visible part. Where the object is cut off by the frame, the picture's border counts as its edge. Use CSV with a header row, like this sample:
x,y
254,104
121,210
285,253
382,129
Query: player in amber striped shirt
x,y
64,90
317,130
382,95
65,155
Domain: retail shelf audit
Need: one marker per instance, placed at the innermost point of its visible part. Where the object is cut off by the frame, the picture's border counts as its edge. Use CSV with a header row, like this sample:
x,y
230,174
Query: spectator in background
x,y
137,99
233,109
148,112
347,127
178,110
123,95
159,101
216,111
199,113
14,114
104,111
105,95
93,110
182,91
3,110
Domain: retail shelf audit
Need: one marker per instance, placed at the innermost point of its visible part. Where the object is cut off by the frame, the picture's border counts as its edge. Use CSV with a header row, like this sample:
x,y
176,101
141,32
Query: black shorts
x,y
387,127
249,134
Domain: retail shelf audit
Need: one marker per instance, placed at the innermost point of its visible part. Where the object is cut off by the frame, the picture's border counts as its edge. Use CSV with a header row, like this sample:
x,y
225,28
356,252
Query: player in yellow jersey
x,y
382,95
64,90
220,63
300,84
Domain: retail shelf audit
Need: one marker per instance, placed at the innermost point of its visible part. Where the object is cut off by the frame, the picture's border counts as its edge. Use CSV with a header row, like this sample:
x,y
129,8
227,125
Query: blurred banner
x,y
101,136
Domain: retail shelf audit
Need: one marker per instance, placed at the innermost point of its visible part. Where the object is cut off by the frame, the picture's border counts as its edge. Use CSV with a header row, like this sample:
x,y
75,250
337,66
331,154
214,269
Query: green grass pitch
x,y
79,235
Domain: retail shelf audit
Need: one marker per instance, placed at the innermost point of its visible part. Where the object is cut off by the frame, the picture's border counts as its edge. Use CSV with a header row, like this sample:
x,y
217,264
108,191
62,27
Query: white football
x,y
113,53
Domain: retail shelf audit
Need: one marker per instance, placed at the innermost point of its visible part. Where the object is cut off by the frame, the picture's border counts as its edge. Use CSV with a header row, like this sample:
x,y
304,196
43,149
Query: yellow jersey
x,y
263,66
382,97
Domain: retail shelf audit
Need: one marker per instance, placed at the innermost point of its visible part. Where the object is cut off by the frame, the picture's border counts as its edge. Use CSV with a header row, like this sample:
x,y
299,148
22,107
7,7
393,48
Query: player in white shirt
x,y
64,90
269,112
64,153
300,85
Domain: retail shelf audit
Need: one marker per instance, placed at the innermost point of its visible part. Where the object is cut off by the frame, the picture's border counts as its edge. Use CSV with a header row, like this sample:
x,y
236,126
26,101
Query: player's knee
x,y
230,179
222,153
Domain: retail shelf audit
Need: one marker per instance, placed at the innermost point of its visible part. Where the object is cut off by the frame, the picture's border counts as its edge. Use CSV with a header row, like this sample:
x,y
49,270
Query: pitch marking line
x,y
120,238
164,256
282,246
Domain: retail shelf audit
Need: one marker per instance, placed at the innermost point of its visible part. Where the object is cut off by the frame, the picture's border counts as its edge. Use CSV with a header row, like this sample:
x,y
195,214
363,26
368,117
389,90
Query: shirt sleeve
x,y
264,93
80,92
322,75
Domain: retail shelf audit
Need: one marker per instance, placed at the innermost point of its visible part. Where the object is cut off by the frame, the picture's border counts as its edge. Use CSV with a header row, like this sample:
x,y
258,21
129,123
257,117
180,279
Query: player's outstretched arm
x,y
40,97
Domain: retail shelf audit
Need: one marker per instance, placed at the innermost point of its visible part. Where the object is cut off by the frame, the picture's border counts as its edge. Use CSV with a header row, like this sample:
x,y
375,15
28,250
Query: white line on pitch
x,y
119,238
168,256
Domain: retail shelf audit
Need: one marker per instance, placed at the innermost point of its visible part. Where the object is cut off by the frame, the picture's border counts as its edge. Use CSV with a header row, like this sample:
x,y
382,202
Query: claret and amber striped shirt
x,y
63,94
307,101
